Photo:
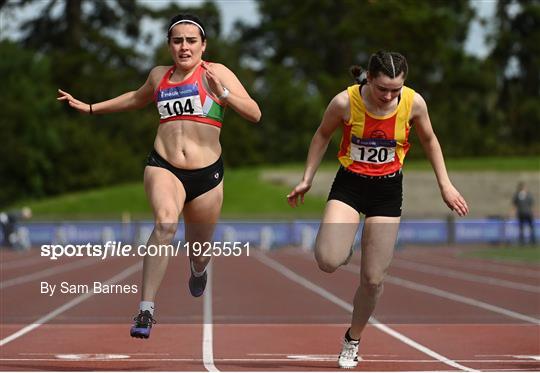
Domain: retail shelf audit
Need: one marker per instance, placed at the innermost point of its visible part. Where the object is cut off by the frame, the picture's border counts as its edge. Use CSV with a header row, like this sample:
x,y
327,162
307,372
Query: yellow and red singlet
x,y
375,145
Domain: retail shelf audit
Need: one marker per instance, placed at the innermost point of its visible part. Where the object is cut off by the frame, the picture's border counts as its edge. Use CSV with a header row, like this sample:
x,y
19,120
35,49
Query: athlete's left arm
x,y
220,77
430,143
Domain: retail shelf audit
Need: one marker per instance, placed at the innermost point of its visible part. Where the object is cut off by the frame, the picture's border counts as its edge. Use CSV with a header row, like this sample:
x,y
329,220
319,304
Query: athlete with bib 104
x,y
184,171
376,116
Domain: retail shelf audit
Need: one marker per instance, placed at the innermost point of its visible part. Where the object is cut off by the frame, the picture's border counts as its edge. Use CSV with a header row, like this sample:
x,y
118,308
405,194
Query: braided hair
x,y
391,64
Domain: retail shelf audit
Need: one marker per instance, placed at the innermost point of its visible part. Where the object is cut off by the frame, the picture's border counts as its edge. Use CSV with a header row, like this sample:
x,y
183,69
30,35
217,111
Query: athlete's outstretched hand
x,y
213,80
73,102
454,200
298,192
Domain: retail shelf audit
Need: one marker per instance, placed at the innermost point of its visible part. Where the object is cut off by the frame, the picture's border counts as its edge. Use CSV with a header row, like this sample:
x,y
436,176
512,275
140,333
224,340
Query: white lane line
x,y
349,307
284,359
91,357
58,268
490,267
208,341
513,370
425,268
452,296
23,262
532,357
60,353
72,303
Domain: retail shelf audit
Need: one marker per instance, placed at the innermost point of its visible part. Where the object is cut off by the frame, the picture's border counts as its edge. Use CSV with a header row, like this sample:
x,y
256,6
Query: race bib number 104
x,y
182,100
374,151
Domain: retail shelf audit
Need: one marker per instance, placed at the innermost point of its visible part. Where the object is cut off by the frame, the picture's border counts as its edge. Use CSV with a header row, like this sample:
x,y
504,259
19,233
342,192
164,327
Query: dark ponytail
x,y
358,74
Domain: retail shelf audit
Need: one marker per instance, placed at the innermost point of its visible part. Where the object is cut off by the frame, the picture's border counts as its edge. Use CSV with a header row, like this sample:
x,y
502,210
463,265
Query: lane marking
x,y
60,268
530,357
286,359
316,358
91,357
491,267
291,275
512,370
23,262
508,263
448,295
208,342
461,299
451,296
72,303
60,353
430,269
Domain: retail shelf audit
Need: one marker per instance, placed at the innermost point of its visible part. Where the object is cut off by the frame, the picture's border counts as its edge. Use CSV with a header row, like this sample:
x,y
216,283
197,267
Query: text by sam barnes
x,y
96,287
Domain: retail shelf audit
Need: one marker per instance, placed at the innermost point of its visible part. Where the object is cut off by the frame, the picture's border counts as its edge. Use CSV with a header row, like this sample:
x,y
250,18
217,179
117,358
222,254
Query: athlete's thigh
x,y
378,241
337,231
202,213
165,193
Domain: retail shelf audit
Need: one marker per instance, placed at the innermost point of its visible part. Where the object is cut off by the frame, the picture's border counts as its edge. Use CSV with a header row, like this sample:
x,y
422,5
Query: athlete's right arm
x,y
127,101
336,113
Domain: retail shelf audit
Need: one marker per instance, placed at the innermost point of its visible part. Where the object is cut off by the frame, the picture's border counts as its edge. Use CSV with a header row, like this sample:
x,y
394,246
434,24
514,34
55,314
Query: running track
x,y
273,311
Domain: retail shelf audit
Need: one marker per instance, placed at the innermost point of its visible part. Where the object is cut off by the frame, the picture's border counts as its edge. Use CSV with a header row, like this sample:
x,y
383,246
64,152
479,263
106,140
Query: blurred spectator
x,y
523,209
12,236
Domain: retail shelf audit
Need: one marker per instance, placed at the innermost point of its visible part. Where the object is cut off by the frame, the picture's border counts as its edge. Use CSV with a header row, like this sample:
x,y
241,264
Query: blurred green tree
x,y
92,50
44,151
293,62
81,38
516,56
317,41
88,49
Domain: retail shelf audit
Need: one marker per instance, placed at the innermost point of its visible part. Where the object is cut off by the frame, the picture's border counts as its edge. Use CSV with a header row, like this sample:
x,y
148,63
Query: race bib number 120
x,y
374,151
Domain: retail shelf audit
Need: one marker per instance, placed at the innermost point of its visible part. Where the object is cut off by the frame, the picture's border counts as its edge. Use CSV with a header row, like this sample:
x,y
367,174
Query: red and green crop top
x,y
188,100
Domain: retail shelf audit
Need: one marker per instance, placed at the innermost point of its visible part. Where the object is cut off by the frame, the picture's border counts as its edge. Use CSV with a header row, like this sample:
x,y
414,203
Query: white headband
x,y
188,21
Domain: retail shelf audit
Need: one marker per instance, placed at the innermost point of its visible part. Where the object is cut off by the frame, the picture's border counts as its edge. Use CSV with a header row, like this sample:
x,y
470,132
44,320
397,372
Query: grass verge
x,y
245,197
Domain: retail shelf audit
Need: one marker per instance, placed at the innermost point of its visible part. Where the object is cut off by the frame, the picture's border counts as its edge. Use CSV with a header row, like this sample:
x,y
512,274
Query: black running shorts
x,y
371,196
195,182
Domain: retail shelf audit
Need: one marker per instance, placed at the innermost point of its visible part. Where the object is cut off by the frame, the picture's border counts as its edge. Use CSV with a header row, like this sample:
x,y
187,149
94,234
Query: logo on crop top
x,y
178,92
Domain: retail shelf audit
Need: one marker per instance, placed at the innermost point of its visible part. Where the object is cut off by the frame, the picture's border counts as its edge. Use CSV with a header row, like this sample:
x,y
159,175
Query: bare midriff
x,y
188,145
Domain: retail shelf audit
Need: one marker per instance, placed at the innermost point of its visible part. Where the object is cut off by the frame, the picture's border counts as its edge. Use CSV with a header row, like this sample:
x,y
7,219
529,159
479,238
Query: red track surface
x,y
273,311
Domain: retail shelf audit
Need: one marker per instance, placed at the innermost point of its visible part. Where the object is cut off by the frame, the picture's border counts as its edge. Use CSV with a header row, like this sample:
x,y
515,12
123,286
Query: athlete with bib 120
x,y
376,116
184,171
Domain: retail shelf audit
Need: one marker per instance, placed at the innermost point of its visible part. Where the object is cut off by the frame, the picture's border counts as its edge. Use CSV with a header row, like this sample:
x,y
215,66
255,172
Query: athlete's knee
x,y
327,267
372,283
326,263
166,224
165,231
